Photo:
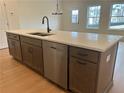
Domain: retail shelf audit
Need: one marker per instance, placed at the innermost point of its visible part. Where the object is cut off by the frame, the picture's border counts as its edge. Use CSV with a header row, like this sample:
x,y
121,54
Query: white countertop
x,y
92,41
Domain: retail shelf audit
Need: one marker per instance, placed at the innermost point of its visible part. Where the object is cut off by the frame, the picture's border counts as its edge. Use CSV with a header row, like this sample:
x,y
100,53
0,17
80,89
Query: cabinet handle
x,y
14,36
80,54
53,47
82,63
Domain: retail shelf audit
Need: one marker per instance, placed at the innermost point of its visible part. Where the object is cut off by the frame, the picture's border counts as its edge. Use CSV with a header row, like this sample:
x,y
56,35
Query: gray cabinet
x,y
14,46
82,76
32,54
55,62
82,70
77,69
91,71
84,54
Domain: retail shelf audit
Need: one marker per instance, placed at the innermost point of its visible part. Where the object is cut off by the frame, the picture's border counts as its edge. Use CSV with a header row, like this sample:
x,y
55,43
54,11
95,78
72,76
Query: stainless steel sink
x,y
40,34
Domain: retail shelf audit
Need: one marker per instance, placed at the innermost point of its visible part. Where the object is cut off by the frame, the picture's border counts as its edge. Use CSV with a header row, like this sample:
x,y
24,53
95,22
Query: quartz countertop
x,y
92,41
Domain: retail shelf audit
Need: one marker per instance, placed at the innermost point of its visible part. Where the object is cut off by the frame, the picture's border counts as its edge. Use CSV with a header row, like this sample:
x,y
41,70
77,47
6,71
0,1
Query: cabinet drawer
x,y
13,36
85,54
32,41
85,64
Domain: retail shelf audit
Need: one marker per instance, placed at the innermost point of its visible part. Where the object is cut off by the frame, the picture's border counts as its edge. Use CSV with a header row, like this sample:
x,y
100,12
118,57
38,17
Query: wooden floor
x,y
16,78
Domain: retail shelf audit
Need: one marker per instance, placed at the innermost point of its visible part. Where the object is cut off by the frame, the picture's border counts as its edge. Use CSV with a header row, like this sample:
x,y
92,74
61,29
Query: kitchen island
x,y
78,62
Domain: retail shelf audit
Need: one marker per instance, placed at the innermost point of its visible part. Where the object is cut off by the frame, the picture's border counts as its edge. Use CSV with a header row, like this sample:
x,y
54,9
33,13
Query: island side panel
x,y
106,69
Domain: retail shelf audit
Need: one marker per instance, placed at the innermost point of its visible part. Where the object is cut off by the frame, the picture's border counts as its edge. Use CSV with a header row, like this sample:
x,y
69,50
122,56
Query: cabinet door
x,y
55,63
27,52
82,76
38,59
32,56
15,49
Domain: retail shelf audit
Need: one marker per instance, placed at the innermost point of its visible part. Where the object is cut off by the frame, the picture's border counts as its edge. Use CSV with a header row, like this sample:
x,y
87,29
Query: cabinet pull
x,y
53,47
80,54
81,62
14,36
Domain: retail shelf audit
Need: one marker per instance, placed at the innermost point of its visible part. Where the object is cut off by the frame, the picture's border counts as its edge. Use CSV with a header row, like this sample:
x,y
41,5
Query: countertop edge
x,y
70,44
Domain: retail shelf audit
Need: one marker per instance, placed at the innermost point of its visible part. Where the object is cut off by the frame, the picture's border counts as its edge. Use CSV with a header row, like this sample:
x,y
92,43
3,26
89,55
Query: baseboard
x,y
3,48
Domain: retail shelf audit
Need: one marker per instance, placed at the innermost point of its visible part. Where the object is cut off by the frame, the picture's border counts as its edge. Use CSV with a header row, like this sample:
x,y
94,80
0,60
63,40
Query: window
x,y
117,16
93,17
75,14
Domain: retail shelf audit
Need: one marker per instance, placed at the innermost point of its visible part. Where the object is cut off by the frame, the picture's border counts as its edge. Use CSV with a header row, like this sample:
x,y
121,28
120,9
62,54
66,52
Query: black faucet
x,y
48,29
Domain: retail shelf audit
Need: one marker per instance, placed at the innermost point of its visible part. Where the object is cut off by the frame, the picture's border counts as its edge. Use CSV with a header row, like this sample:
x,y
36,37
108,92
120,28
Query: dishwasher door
x,y
55,62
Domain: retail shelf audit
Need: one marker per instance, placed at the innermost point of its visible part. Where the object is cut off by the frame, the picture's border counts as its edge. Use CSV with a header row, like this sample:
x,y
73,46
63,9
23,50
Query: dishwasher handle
x,y
82,63
53,48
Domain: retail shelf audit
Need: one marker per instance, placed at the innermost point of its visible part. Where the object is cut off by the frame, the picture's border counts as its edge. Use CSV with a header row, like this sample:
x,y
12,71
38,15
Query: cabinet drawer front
x,y
85,54
32,41
13,36
85,64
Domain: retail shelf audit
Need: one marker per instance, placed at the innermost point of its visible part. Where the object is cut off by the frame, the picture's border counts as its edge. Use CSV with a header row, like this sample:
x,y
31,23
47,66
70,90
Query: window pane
x,y
94,11
93,22
118,10
117,16
75,14
118,20
93,16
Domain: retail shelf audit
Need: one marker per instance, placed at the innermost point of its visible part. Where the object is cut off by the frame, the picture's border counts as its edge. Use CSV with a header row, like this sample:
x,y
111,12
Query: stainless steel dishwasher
x,y
55,62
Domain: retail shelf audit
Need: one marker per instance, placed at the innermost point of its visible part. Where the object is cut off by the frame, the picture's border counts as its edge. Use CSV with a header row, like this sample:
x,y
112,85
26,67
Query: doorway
x,y
3,25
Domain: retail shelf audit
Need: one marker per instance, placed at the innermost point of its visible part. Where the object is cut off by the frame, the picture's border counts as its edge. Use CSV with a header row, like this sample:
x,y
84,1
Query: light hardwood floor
x,y
16,78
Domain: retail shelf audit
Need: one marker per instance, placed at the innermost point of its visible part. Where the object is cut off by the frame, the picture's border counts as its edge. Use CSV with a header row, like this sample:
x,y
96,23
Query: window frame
x,y
110,15
72,15
92,17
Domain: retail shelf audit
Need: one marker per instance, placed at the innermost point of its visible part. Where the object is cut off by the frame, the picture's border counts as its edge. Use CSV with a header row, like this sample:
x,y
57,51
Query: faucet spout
x,y
45,17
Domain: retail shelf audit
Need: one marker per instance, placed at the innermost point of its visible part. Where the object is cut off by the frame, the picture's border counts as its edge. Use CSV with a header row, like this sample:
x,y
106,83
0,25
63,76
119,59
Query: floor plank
x,y
16,78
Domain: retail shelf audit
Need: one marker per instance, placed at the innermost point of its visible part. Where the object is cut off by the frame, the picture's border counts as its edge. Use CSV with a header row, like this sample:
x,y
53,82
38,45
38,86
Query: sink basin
x,y
40,34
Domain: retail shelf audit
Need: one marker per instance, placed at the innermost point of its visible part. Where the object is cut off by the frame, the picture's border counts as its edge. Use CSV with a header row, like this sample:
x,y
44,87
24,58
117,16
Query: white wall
x,y
12,14
3,26
32,11
27,14
82,5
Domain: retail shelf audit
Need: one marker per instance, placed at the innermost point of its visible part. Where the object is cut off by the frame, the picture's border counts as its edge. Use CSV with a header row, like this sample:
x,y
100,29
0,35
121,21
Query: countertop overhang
x,y
92,41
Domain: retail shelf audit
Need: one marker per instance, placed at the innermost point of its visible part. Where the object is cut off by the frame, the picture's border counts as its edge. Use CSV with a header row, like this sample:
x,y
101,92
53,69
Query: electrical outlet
x,y
108,58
